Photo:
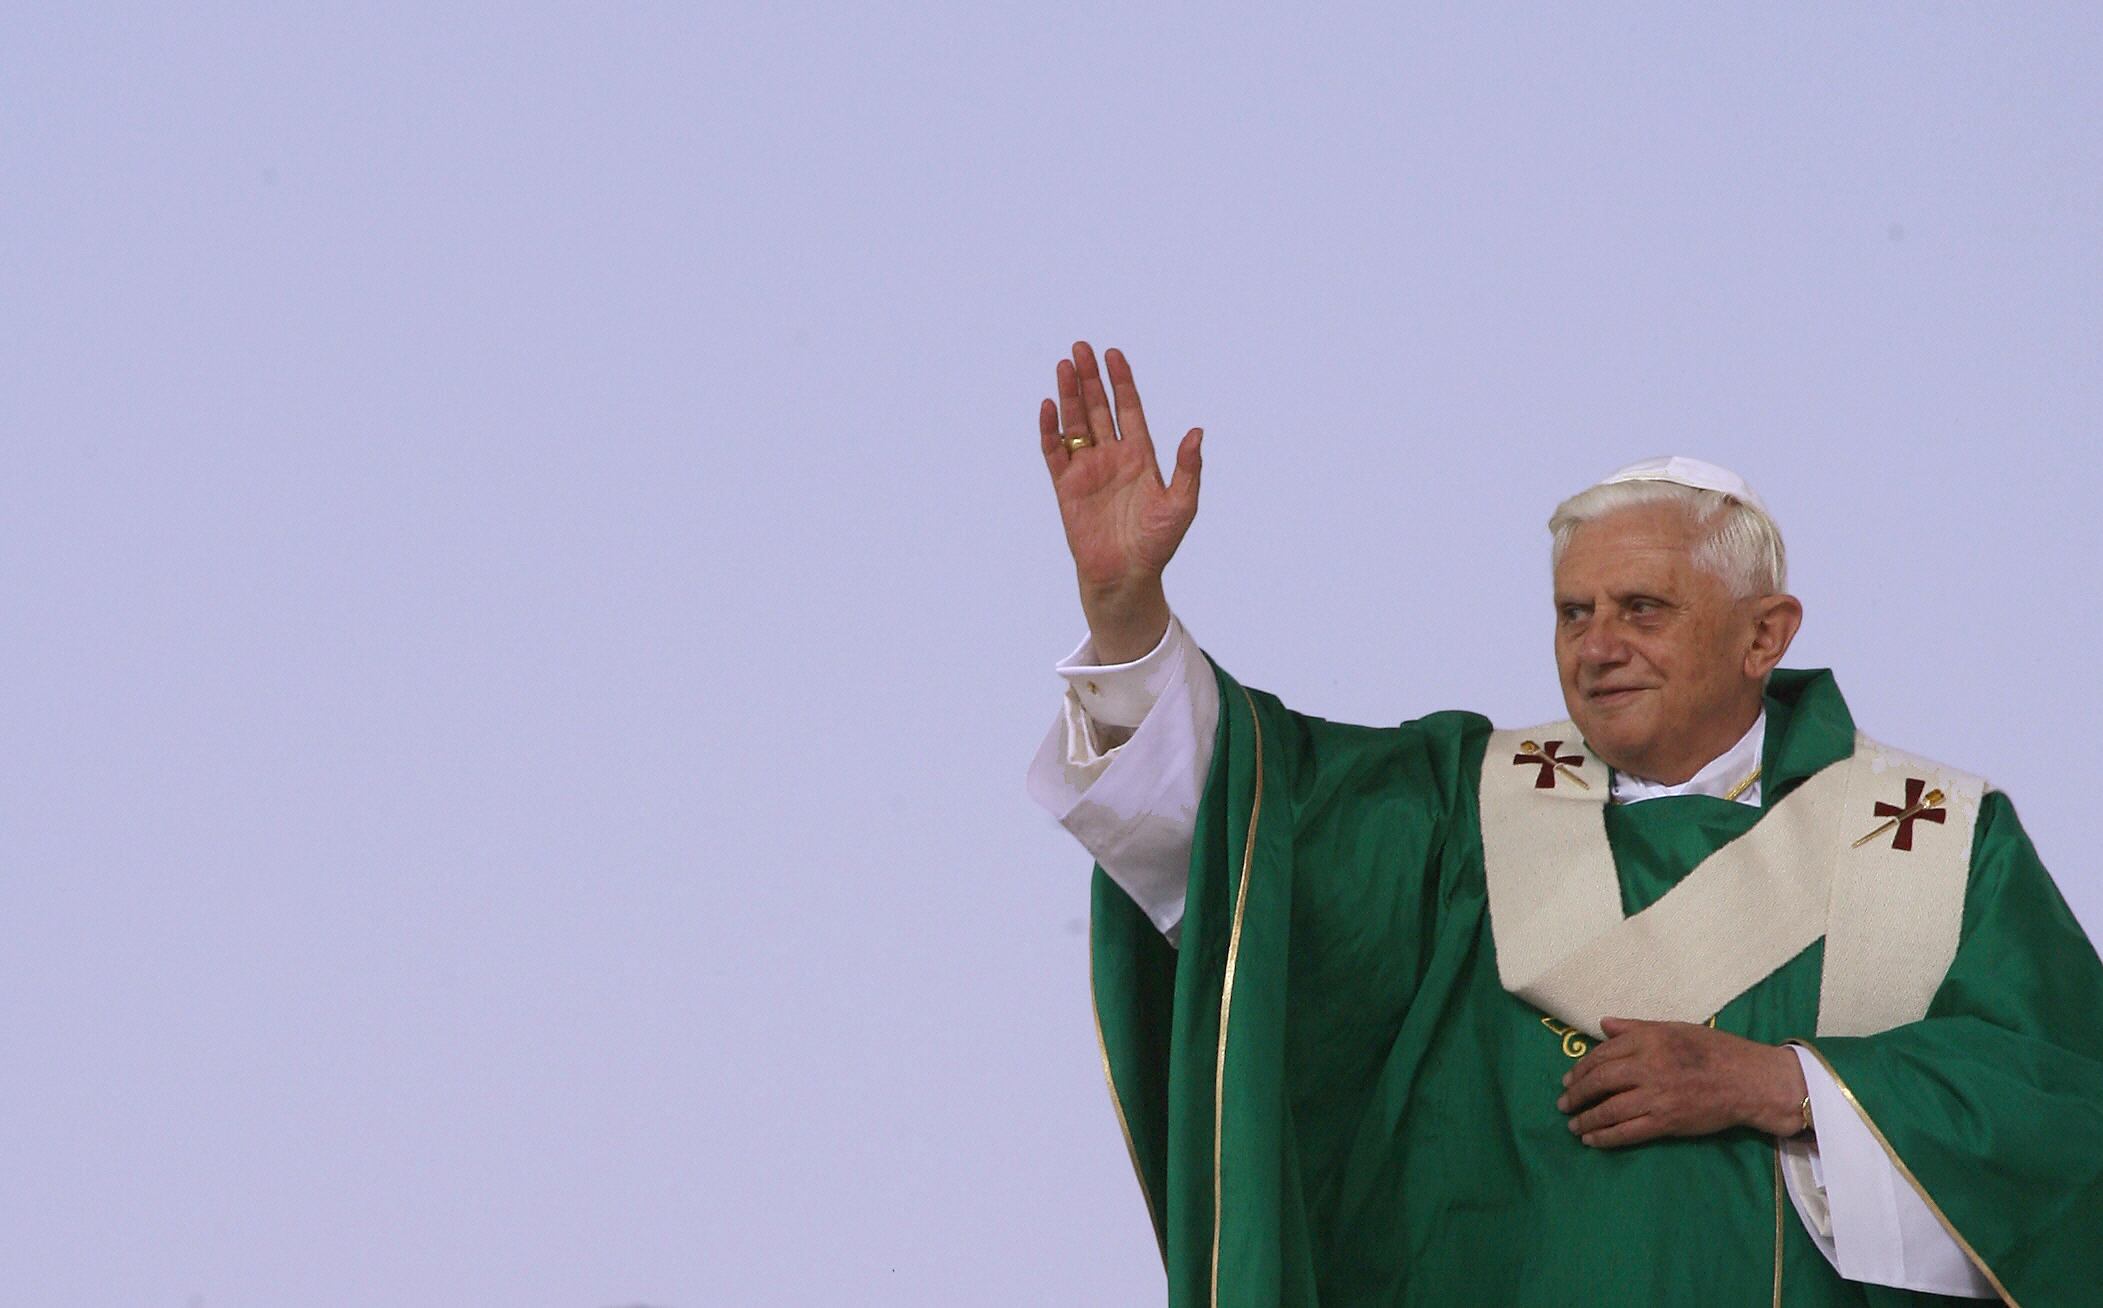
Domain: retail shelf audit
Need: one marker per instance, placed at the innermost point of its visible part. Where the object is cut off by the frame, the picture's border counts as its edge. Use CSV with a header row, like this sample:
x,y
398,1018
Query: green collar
x,y
1808,728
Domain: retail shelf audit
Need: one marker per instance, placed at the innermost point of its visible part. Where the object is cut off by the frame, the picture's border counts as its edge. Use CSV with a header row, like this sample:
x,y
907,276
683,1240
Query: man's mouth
x,y
1610,696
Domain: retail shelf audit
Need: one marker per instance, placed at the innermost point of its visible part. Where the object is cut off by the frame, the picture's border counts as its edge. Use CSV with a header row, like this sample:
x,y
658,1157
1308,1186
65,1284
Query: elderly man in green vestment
x,y
1700,996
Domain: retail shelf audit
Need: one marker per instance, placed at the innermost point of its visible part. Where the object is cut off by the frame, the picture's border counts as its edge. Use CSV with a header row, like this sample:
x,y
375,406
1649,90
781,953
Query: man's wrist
x,y
1125,622
1785,1108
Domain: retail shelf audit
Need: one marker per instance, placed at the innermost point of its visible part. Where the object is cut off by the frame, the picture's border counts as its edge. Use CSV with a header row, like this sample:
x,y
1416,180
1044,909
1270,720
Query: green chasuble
x,y
1330,1098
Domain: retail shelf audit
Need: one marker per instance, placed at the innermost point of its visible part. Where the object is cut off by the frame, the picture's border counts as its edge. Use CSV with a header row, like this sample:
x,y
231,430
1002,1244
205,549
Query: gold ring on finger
x,y
1079,442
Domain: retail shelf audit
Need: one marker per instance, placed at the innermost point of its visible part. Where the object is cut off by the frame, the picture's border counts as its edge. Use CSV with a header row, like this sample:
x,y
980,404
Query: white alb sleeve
x,y
1861,1212
1134,805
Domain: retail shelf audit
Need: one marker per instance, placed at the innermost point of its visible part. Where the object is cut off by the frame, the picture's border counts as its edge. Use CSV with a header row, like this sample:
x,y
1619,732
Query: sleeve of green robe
x,y
1320,844
1992,1105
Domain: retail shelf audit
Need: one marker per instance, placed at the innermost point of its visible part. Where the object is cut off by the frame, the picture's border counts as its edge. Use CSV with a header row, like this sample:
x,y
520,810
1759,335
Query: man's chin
x,y
1611,738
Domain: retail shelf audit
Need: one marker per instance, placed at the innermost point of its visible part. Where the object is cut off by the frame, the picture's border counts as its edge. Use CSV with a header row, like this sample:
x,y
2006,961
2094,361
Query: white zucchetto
x,y
1684,471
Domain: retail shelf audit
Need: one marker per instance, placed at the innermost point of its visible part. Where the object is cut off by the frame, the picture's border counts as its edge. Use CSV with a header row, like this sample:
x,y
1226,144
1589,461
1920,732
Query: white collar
x,y
1722,773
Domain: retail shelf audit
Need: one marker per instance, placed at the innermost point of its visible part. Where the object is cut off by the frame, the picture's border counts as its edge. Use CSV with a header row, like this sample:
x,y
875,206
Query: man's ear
x,y
1775,620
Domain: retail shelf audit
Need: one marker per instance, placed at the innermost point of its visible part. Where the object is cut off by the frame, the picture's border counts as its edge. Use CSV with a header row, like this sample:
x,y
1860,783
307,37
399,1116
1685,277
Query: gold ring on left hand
x,y
1078,443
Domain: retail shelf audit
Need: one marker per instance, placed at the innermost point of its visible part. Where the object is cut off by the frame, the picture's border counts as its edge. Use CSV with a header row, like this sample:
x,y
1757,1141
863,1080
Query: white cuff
x,y
1134,807
1119,694
1861,1211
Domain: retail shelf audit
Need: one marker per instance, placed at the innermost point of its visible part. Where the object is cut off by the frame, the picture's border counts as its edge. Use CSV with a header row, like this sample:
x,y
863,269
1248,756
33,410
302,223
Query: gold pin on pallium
x,y
1532,747
1926,802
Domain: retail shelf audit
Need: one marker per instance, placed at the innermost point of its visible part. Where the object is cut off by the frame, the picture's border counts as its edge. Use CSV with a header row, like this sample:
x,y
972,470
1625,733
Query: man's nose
x,y
1602,642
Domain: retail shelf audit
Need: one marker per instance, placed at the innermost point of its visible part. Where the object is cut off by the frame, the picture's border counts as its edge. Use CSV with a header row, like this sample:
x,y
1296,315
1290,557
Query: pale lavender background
x,y
529,587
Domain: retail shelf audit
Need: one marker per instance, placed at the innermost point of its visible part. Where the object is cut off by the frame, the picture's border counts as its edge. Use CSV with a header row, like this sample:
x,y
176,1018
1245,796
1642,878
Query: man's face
x,y
1652,649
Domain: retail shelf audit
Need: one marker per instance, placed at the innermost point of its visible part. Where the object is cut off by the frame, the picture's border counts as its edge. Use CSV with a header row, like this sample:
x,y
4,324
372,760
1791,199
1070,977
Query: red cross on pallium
x,y
1547,760
1910,812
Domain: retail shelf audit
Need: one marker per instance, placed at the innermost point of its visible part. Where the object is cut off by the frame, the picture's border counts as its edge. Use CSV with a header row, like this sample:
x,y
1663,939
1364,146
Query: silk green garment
x,y
1330,1099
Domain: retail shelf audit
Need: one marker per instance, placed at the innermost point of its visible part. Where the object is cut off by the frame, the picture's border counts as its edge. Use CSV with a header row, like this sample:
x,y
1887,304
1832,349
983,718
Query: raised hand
x,y
1123,522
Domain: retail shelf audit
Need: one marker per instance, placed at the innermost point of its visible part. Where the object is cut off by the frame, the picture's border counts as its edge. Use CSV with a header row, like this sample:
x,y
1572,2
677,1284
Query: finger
x,y
1608,1079
1621,1108
1073,417
1606,1051
1190,461
1094,399
1613,1026
1131,418
1634,1131
1055,456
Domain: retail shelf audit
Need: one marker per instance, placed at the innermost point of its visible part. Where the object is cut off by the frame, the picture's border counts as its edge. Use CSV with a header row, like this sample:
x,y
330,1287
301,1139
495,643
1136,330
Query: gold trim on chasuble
x,y
1907,1172
1226,990
1889,912
1778,1226
1226,1003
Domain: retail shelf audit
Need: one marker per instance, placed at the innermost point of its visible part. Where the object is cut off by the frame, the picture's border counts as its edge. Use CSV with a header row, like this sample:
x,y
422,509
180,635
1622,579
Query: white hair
x,y
1743,547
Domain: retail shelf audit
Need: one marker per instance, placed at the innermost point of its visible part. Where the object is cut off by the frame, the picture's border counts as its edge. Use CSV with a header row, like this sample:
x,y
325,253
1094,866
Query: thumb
x,y
1190,463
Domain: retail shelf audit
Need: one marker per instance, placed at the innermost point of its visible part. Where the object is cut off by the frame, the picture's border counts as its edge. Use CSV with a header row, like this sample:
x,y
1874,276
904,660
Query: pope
x,y
1701,995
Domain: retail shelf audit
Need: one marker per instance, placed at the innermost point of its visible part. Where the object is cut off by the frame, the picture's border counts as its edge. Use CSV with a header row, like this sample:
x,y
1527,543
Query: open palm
x,y
1123,522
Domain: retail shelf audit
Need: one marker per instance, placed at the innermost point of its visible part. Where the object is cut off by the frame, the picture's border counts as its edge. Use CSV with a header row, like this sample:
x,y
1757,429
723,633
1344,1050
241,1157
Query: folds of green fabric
x,y
1330,1099
1993,1104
